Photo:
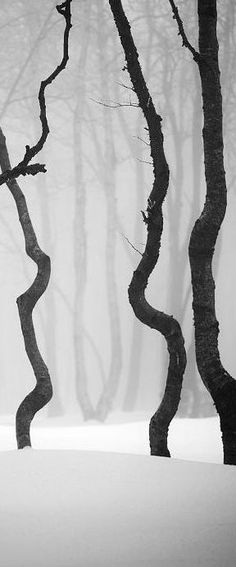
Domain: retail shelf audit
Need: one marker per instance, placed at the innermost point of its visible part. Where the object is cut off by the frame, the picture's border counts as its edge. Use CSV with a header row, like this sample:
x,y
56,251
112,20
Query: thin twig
x,y
125,86
196,55
144,161
136,250
115,104
141,140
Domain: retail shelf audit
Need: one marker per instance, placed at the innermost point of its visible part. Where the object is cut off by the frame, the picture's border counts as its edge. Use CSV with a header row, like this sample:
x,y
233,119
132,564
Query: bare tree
x,y
221,386
108,164
153,218
26,302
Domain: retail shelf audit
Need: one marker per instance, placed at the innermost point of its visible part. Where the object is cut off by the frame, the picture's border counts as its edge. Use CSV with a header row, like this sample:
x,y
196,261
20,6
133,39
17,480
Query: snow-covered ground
x,y
95,504
192,439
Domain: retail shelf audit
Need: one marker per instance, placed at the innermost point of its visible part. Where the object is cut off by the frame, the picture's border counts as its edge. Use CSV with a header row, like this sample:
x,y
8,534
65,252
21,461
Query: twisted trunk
x,y
219,383
165,324
26,302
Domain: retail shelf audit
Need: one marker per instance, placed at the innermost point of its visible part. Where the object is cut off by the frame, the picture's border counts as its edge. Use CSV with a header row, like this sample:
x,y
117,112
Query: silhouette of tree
x,y
221,386
153,218
42,392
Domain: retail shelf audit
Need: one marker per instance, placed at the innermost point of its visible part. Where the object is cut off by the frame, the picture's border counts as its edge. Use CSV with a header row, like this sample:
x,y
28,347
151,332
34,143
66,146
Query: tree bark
x,y
165,324
26,302
219,383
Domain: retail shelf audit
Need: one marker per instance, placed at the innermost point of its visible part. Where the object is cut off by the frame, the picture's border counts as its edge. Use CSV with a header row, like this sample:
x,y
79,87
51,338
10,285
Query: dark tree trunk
x,y
219,383
165,324
200,401
26,302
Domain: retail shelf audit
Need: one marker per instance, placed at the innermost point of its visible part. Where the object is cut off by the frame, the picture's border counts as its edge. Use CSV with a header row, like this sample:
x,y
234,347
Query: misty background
x,y
86,210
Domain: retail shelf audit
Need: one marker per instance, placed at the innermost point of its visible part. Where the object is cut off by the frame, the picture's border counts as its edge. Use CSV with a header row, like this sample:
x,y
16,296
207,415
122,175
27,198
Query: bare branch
x,y
144,161
141,140
136,250
30,152
115,104
125,86
196,55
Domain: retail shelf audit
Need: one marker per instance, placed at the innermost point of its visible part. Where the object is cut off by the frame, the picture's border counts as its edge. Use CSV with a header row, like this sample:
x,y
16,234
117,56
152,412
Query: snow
x,y
95,504
192,439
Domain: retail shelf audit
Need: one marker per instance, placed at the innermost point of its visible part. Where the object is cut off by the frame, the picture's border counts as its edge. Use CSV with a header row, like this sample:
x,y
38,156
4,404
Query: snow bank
x,y
81,508
192,439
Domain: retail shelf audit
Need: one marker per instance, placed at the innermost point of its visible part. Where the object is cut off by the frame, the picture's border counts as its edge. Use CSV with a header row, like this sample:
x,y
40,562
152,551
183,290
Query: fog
x,y
86,209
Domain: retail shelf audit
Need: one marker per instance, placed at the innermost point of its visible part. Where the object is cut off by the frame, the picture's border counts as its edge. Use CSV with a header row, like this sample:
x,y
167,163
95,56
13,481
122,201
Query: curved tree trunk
x,y
200,402
26,302
220,384
165,324
195,382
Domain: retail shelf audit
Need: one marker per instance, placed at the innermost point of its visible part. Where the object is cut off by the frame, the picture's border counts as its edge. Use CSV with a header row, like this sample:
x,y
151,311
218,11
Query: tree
x,y
26,302
153,218
106,172
221,386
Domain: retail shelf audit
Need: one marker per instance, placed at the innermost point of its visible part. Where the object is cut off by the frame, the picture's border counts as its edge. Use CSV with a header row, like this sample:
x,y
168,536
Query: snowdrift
x,y
88,508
